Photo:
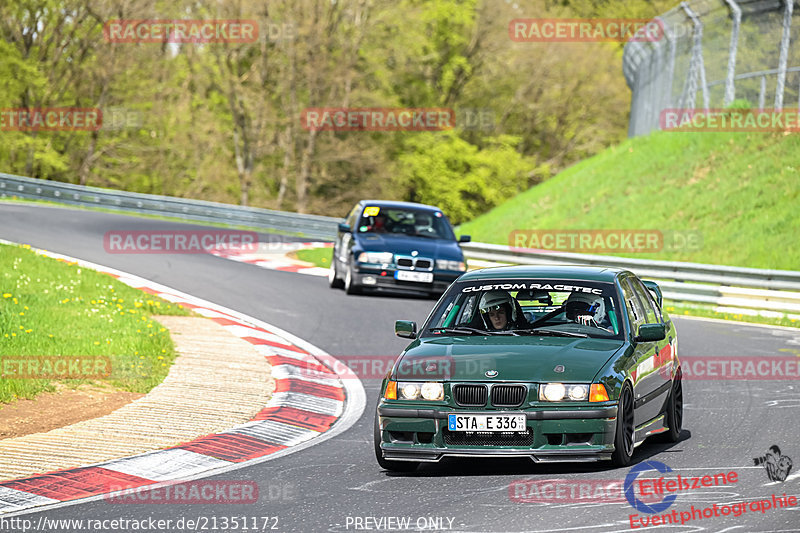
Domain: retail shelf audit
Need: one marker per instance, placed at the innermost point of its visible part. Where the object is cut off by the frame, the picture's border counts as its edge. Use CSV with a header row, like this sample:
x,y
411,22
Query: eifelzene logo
x,y
777,465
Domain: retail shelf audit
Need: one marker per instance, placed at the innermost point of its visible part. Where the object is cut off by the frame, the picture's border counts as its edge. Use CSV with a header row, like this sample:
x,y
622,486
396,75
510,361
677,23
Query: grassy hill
x,y
739,191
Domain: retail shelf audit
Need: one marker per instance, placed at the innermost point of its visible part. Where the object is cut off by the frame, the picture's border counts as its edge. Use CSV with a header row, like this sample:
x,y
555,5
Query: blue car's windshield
x,y
404,221
568,308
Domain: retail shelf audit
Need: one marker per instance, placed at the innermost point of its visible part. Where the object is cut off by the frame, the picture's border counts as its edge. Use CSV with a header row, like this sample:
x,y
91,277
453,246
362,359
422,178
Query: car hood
x,y
404,245
513,358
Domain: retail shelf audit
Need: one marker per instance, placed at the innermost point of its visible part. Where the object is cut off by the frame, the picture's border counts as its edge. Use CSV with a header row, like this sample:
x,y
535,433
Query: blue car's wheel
x,y
350,286
333,277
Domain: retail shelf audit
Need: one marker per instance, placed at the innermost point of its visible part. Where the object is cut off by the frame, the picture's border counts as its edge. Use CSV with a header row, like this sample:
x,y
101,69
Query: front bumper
x,y
574,434
371,276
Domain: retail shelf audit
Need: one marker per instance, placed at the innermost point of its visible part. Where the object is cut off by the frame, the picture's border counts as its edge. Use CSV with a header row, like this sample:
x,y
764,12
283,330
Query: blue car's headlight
x,y
445,264
375,257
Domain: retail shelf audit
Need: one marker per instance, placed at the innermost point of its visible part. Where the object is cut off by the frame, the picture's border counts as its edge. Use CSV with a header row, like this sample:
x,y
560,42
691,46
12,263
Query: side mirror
x,y
656,290
651,333
464,238
344,228
406,329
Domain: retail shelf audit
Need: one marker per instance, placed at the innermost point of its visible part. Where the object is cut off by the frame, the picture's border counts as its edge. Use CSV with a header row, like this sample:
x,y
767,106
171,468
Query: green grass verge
x,y
738,190
54,308
320,257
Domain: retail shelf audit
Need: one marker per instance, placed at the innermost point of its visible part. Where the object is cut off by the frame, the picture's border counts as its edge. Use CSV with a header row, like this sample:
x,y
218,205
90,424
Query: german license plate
x,y
405,275
456,422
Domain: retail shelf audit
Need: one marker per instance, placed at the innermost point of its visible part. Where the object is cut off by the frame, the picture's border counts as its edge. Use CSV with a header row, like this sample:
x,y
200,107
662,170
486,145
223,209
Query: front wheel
x,y
333,277
623,438
350,286
675,411
392,466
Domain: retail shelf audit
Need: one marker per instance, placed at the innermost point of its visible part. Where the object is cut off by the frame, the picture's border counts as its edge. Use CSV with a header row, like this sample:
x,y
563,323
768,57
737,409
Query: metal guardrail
x,y
668,270
724,286
312,226
733,288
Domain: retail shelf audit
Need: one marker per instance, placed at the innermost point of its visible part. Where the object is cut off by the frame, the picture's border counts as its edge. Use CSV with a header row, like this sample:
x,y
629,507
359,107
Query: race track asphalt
x,y
337,485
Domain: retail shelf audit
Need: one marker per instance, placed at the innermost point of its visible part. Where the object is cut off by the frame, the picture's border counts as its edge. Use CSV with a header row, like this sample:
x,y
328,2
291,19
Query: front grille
x,y
414,263
470,395
487,438
508,395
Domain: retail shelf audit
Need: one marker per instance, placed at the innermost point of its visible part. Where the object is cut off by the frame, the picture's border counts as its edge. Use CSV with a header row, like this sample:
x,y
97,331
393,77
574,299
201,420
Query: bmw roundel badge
x,y
491,373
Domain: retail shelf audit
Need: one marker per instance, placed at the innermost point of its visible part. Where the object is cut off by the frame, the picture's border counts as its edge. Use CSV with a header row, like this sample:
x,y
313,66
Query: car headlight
x,y
375,257
556,392
432,391
428,391
445,264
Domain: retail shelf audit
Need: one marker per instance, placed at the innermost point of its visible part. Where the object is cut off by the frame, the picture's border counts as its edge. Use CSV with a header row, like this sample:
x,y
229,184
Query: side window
x,y
636,313
351,218
651,308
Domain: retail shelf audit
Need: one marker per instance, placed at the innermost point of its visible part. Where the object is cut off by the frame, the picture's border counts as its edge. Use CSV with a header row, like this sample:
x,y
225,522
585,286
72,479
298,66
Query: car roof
x,y
588,272
390,203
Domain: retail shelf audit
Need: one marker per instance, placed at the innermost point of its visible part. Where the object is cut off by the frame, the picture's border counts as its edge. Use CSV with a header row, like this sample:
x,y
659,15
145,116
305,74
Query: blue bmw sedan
x,y
397,246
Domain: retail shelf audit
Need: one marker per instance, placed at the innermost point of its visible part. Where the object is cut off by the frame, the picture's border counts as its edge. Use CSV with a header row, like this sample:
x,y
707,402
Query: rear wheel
x,y
623,439
392,466
675,411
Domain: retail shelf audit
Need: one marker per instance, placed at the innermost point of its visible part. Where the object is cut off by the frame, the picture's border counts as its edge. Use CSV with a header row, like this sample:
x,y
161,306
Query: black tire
x,y
675,411
333,276
392,466
624,435
349,286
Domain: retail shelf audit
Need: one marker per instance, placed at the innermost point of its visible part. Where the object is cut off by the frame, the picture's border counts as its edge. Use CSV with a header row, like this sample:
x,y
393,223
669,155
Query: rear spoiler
x,y
655,289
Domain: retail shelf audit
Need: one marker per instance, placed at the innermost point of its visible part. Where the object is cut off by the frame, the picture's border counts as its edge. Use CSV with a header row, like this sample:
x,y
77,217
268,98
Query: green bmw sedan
x,y
553,363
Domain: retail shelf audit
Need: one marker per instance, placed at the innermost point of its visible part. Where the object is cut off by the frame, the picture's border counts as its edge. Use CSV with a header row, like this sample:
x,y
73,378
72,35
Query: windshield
x,y
553,307
403,221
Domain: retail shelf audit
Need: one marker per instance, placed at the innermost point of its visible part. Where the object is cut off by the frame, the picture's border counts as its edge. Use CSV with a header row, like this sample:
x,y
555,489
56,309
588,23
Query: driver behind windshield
x,y
498,311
